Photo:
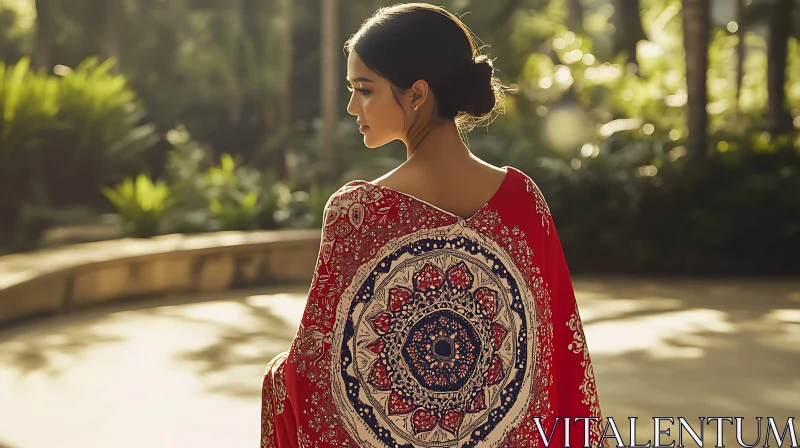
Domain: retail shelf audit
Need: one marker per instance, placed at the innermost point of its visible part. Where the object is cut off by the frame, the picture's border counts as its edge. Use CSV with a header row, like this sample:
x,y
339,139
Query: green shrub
x,y
647,209
28,107
276,203
239,212
61,139
227,196
106,138
141,204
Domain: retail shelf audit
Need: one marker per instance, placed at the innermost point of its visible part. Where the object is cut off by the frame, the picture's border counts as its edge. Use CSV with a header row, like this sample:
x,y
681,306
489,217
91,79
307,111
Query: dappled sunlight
x,y
668,335
287,305
596,306
246,334
659,347
692,347
784,315
662,328
35,353
784,330
183,360
251,331
239,313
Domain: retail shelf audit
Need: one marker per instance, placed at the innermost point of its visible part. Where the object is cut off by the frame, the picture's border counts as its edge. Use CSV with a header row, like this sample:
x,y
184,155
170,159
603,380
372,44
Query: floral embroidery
x,y
460,327
422,329
446,304
279,382
267,413
541,205
515,242
588,387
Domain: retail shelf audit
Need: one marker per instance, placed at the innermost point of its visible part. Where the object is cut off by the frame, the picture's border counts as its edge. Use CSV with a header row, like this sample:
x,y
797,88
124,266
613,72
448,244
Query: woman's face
x,y
373,104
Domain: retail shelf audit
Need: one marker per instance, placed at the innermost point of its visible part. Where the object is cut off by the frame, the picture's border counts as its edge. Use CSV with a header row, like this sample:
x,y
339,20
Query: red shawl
x,y
425,329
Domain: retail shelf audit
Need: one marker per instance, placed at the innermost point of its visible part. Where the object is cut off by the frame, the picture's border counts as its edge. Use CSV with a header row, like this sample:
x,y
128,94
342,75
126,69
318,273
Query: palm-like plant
x,y
28,106
104,117
141,204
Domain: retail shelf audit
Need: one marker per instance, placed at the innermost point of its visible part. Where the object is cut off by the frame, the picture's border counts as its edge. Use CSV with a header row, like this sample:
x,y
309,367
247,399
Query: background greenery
x,y
664,133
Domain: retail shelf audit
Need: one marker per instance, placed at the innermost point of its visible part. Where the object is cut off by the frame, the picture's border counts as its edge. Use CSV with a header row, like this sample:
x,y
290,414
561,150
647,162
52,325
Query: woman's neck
x,y
438,143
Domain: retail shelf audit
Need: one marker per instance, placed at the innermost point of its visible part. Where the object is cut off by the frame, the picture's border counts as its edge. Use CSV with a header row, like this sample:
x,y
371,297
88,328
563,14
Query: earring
x,y
416,107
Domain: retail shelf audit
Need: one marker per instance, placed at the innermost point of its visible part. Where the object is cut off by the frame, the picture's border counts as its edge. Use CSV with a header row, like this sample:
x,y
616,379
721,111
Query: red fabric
x,y
426,329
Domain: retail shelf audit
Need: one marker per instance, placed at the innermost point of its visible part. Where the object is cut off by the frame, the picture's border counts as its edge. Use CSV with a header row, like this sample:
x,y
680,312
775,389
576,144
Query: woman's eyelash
x,y
361,91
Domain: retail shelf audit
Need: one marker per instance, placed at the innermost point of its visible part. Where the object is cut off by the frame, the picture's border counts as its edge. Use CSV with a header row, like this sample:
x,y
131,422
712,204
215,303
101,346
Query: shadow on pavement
x,y
672,348
694,349
255,331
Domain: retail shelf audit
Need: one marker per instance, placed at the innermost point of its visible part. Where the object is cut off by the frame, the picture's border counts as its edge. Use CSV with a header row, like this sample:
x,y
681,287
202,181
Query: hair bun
x,y
477,90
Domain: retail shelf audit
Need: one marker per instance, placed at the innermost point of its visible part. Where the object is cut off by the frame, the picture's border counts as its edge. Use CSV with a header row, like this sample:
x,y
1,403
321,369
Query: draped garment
x,y
426,329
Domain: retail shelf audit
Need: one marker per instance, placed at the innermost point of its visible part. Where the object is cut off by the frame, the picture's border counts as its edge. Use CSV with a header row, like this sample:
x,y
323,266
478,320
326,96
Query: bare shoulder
x,y
391,177
458,190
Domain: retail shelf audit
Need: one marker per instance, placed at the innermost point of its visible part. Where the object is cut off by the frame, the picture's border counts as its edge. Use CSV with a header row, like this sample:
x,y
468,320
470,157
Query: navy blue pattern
x,y
434,350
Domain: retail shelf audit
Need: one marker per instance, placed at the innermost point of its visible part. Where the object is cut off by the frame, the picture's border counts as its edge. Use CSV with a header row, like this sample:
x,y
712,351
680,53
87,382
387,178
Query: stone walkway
x,y
186,372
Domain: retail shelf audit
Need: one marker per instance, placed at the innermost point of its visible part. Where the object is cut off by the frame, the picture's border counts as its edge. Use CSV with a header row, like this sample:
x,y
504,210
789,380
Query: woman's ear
x,y
419,92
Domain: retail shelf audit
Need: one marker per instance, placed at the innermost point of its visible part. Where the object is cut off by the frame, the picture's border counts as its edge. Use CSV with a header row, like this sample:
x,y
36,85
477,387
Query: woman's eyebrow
x,y
360,79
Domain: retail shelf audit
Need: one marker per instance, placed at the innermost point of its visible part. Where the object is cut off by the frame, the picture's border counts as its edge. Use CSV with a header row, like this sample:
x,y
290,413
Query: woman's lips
x,y
363,128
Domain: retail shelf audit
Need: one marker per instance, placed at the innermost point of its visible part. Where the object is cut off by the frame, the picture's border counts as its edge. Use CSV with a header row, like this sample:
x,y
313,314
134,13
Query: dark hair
x,y
411,41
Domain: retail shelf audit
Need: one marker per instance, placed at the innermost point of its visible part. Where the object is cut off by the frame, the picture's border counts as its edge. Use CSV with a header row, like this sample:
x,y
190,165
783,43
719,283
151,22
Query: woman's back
x,y
423,328
462,188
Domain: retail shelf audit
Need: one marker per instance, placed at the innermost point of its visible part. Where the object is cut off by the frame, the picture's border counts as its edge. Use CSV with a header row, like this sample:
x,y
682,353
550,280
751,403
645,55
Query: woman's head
x,y
417,55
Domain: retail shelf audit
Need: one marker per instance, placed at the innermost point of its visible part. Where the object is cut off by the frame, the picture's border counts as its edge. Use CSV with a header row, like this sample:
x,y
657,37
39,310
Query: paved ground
x,y
186,372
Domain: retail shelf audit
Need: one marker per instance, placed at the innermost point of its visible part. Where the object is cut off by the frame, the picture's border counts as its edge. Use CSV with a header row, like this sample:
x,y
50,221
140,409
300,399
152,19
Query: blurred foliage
x,y
106,135
235,195
62,137
141,204
648,208
606,140
227,196
198,197
230,195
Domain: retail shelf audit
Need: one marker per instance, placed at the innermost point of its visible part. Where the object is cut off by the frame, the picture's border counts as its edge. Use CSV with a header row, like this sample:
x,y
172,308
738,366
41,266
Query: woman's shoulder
x,y
524,191
349,189
529,182
352,192
527,197
526,183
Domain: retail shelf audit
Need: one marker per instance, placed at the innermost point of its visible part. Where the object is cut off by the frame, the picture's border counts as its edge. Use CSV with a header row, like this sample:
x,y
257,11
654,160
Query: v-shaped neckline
x,y
443,211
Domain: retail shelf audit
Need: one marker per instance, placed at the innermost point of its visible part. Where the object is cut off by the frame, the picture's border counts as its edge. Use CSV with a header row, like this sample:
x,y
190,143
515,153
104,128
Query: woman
x,y
433,320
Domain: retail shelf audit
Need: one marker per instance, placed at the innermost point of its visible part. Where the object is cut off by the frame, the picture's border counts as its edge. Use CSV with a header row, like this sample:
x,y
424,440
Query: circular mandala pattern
x,y
433,343
442,351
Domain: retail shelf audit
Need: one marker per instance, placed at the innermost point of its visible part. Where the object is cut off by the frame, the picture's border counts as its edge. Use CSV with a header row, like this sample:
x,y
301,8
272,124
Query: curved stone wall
x,y
55,280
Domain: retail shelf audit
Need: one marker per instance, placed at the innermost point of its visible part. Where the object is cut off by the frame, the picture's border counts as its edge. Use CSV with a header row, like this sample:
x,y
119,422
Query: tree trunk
x,y
780,28
236,78
114,13
741,20
574,15
286,74
45,30
330,49
696,16
629,30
